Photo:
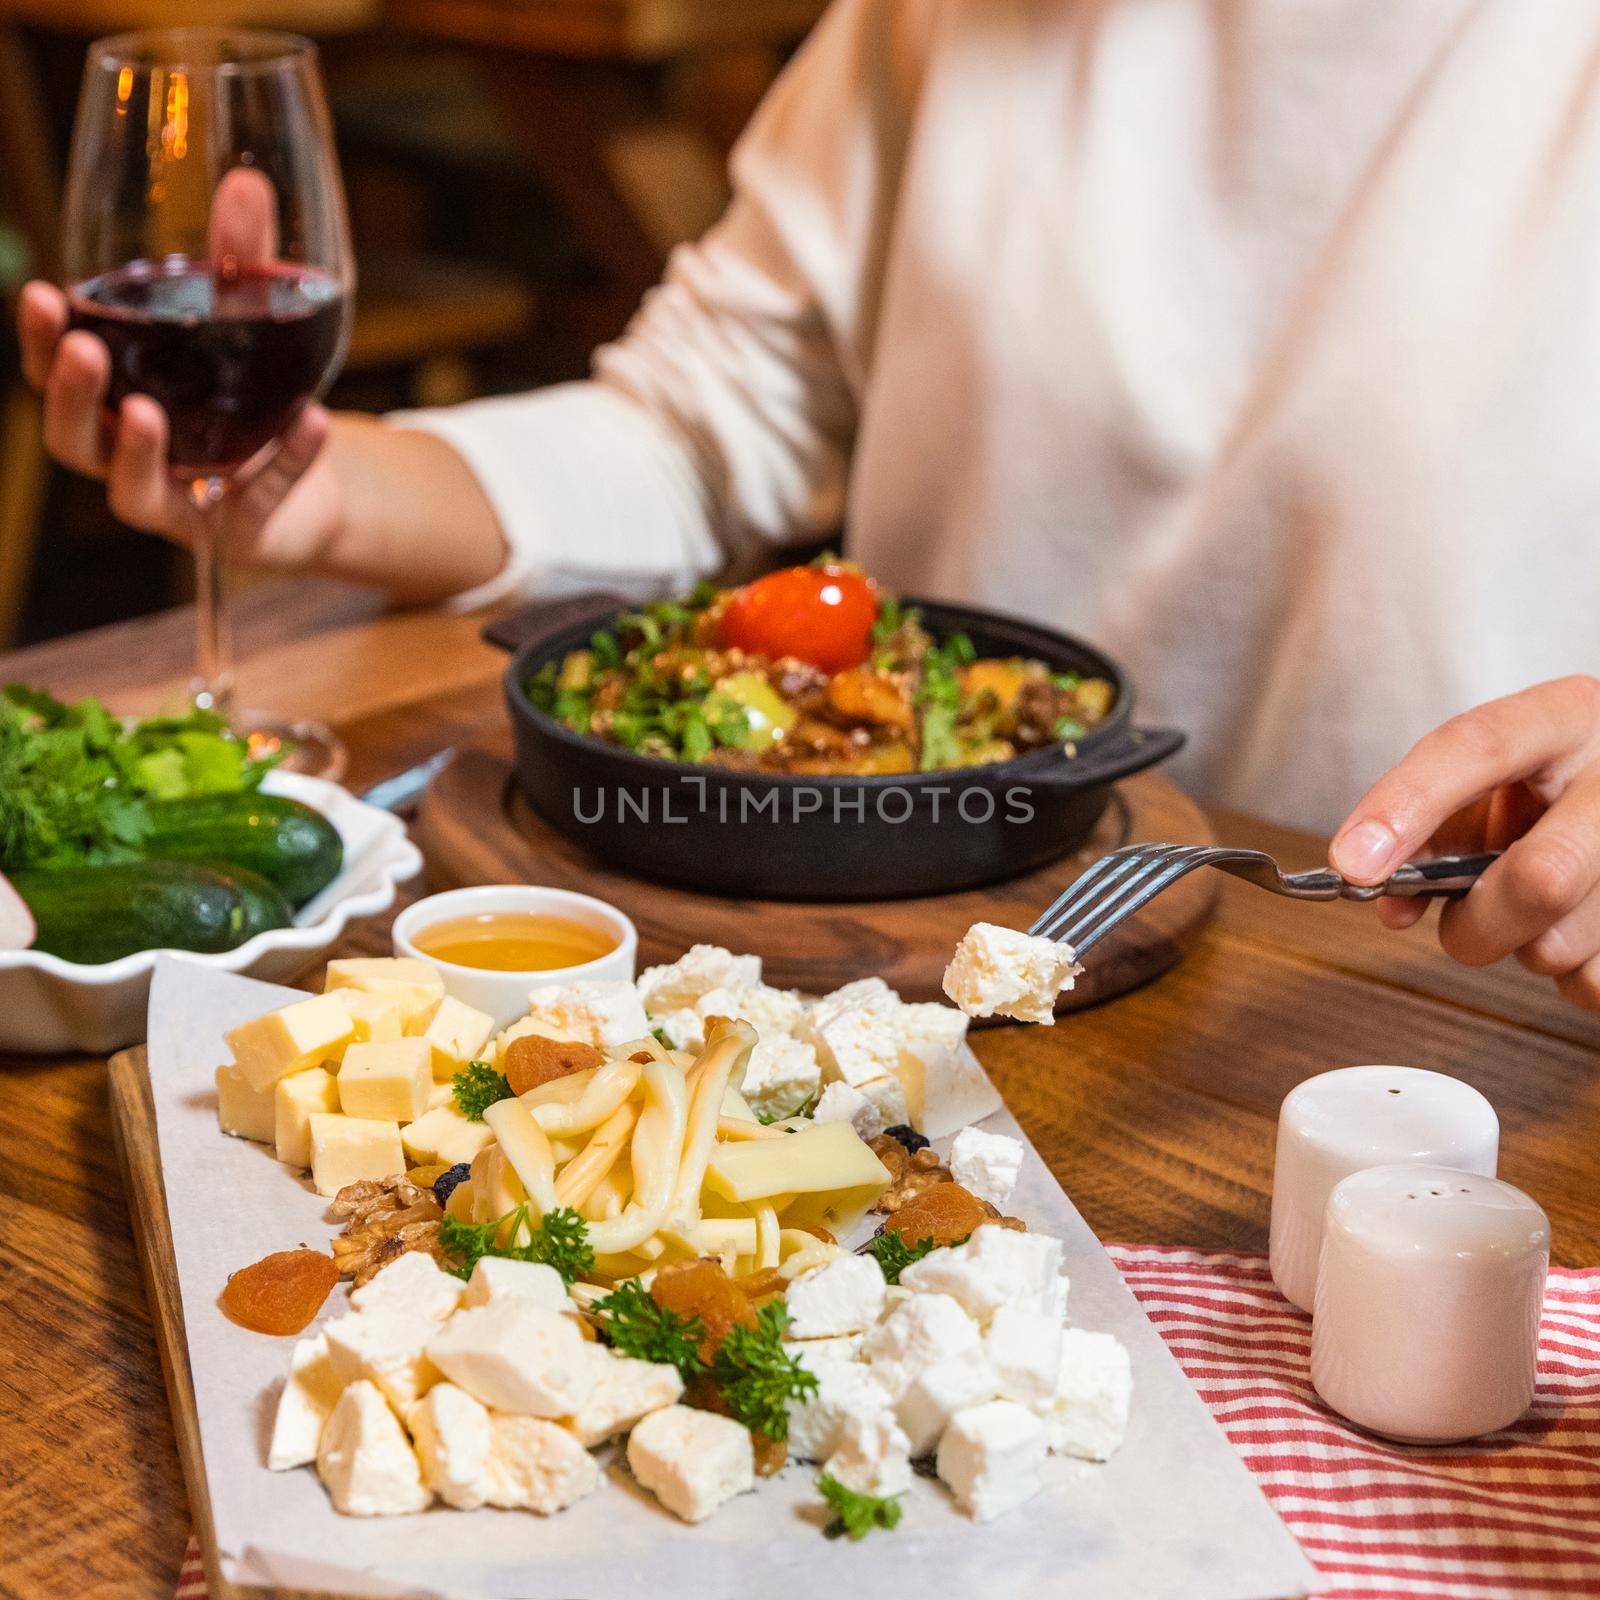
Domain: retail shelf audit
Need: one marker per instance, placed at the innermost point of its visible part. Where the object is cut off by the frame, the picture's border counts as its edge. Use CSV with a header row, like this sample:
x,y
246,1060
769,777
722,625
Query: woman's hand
x,y
348,497
1521,775
287,515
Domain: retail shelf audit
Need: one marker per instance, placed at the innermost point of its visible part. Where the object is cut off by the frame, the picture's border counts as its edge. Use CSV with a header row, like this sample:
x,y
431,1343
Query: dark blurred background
x,y
517,171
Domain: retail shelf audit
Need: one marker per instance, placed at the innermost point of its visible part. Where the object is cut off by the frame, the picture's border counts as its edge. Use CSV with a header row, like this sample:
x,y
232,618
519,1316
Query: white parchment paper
x,y
1174,1514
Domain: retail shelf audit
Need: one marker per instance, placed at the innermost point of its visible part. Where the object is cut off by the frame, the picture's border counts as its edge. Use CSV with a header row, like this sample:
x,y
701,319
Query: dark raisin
x,y
445,1184
908,1138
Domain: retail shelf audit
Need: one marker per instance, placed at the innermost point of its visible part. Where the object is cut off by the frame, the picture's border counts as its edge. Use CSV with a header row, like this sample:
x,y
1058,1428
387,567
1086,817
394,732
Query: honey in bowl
x,y
513,941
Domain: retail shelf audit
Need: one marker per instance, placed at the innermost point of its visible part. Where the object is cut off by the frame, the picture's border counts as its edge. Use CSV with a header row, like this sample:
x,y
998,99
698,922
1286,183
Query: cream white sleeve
x,y
722,422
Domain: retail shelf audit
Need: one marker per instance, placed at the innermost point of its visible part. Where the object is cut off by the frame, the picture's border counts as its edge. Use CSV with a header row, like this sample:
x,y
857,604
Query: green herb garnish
x,y
476,1087
856,1515
894,1255
77,783
637,1325
560,1239
758,1376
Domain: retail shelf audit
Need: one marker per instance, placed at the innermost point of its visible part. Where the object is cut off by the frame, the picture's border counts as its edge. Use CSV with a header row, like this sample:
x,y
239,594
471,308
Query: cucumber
x,y
265,907
96,914
286,842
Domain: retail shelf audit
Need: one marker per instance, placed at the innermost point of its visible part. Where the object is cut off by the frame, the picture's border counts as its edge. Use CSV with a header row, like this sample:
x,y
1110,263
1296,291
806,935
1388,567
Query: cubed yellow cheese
x,y
443,1134
349,1149
825,1156
303,1035
414,986
457,1034
441,1094
242,1111
389,1081
296,1101
376,1017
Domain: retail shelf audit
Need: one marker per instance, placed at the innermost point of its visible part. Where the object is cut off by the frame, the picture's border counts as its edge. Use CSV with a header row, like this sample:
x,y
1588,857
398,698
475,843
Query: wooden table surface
x,y
1156,1112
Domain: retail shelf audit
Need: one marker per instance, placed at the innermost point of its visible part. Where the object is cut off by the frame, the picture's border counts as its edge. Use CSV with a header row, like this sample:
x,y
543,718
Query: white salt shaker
x,y
1428,1296
1338,1123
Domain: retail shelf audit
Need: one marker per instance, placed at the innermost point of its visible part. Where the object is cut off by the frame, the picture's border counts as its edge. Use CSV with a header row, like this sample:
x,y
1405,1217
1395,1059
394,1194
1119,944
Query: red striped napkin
x,y
1514,1517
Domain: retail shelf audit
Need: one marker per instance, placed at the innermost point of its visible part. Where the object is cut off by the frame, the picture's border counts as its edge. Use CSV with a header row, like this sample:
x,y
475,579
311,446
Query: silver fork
x,y
1119,884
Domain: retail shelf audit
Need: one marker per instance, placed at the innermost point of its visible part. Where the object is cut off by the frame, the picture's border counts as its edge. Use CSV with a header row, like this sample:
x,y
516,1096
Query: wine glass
x,y
205,241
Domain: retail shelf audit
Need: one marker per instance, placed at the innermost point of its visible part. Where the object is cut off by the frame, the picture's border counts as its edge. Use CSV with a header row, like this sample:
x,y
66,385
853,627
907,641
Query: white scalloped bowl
x,y
48,1005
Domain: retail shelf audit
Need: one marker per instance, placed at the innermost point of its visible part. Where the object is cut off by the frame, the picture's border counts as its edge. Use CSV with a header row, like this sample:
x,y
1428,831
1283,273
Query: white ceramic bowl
x,y
47,1004
504,995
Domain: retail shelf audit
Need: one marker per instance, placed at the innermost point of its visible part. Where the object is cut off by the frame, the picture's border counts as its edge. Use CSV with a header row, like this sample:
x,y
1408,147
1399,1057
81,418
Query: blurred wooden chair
x,y
425,315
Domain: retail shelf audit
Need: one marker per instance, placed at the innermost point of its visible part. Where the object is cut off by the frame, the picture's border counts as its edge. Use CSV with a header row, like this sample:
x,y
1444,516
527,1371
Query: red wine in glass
x,y
231,354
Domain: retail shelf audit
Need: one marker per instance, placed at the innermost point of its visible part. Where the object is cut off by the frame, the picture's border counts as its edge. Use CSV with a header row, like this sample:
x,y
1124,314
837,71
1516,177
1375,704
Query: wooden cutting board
x,y
475,827
133,1123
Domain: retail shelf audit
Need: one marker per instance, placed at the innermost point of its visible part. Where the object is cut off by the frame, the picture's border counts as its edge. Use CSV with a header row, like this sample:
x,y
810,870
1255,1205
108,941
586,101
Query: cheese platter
x,y
651,1510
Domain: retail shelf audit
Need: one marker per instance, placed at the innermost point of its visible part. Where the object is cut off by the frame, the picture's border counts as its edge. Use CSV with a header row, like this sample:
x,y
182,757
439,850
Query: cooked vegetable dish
x,y
810,670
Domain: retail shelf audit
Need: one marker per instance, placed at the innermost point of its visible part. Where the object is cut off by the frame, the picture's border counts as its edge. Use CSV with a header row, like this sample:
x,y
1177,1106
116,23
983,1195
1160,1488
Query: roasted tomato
x,y
823,615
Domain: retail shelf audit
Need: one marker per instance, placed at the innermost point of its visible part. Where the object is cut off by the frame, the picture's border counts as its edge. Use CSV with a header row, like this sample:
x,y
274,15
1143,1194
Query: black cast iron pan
x,y
782,837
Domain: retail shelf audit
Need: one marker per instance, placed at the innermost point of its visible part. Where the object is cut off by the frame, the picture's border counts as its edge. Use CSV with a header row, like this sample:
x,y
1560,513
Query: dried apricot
x,y
533,1059
702,1289
280,1293
945,1213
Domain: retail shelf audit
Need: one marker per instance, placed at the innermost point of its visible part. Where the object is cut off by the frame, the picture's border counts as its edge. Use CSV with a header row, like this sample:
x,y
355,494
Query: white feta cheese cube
x,y
934,1032
701,968
1024,1348
781,1076
990,1458
365,1459
999,972
1088,1413
873,1456
845,1296
841,1347
843,1102
995,1267
309,1395
855,1044
496,1279
844,1389
537,1466
684,1030
986,1163
691,1461
870,994
385,1346
625,1390
411,1282
390,1081
452,1435
516,1356
773,1013
935,1394
920,1331
887,1097
243,1111
600,1012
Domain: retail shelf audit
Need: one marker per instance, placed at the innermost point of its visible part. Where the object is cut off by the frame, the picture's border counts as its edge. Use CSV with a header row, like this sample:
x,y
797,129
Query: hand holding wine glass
x,y
207,250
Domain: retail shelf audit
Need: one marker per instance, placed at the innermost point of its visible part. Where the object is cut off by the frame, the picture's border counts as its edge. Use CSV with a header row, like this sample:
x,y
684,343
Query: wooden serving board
x,y
475,827
133,1124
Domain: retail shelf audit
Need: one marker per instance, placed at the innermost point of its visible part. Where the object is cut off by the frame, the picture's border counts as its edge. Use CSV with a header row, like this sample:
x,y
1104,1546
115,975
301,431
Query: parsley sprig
x,y
894,1255
476,1087
640,1326
856,1515
560,1239
758,1376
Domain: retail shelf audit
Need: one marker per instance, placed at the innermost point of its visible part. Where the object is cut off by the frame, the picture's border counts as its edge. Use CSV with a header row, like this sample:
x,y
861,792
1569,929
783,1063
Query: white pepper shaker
x,y
1339,1122
1428,1300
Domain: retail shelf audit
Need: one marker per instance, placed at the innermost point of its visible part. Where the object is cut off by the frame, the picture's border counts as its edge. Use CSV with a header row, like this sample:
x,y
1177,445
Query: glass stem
x,y
212,684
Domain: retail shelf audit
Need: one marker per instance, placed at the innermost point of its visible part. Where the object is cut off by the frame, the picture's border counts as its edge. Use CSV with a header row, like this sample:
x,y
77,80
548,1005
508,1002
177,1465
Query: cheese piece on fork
x,y
1000,972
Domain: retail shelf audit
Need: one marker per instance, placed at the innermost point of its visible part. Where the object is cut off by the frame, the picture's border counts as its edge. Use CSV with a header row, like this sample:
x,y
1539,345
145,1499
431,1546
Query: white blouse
x,y
1256,340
